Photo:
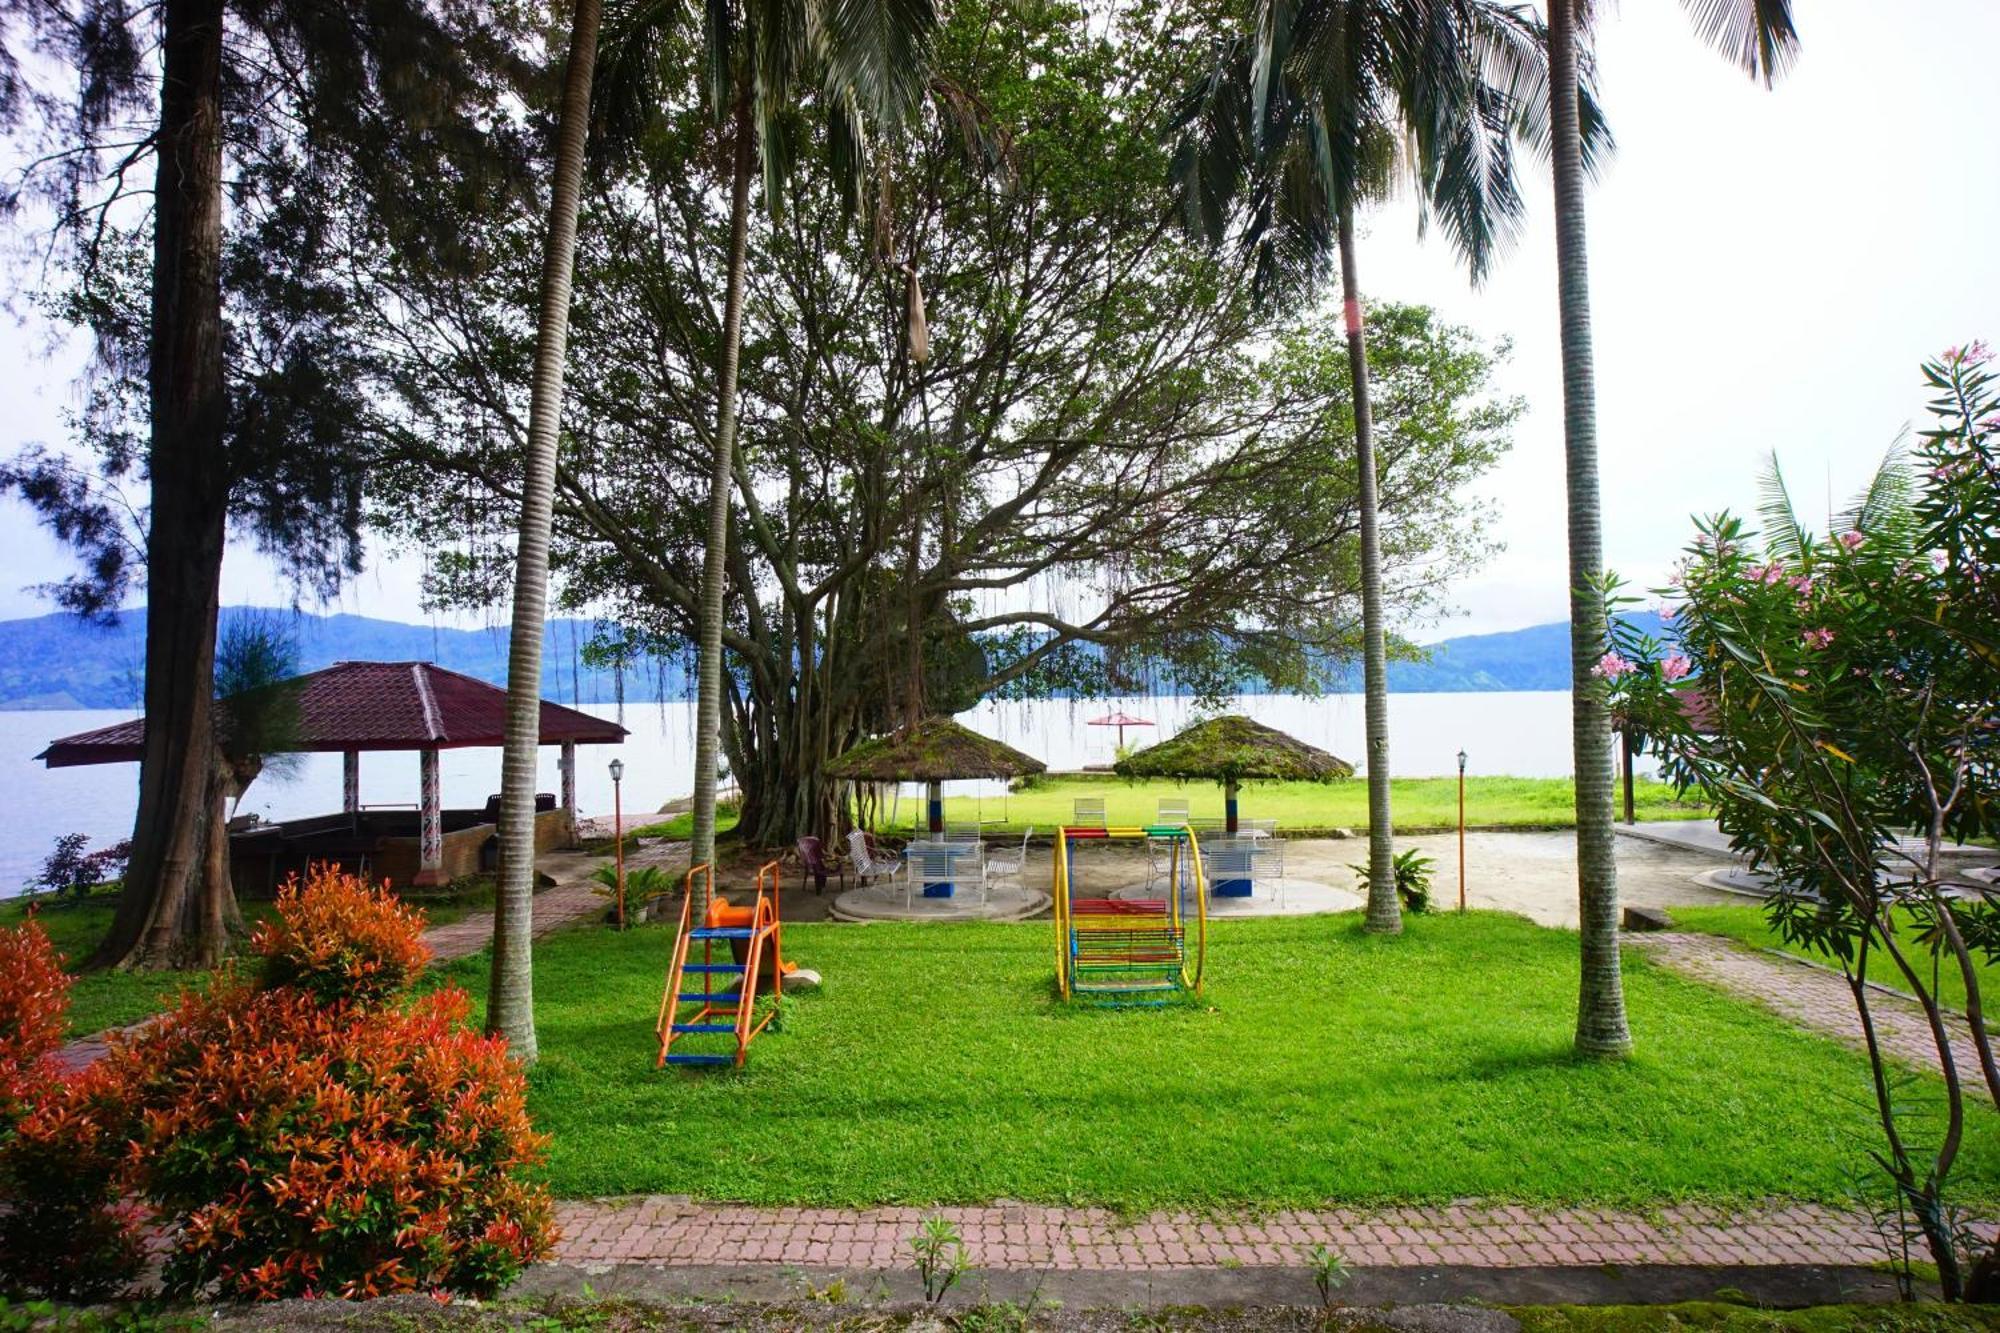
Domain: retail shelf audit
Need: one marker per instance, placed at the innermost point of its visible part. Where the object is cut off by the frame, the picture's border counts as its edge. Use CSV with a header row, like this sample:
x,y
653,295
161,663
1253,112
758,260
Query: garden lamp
x,y
618,831
1461,830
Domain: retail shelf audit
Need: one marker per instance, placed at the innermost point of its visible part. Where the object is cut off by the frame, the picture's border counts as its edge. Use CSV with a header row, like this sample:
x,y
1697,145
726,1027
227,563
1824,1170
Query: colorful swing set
x,y
1132,951
756,964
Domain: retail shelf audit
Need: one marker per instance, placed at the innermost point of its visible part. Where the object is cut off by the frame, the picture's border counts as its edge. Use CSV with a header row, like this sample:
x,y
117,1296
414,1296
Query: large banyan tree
x,y
1111,469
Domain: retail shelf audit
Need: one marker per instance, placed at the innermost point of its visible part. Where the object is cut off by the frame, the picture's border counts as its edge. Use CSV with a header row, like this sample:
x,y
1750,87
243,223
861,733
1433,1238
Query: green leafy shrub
x,y
1413,879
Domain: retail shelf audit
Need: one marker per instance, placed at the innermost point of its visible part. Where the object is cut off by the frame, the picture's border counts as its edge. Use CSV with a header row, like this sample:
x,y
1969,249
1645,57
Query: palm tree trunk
x,y
1600,1010
510,1005
1385,912
708,693
158,915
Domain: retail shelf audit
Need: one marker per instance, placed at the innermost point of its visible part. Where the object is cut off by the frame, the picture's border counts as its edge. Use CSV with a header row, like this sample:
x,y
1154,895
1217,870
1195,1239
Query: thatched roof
x,y
936,749
1234,749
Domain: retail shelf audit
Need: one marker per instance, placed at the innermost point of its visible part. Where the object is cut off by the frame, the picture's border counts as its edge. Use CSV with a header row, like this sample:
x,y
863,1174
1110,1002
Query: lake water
x,y
1517,734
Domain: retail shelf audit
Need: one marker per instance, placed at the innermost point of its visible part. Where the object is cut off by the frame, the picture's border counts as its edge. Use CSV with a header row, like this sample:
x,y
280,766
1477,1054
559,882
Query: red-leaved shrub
x,y
34,1000
67,1228
317,1132
341,939
304,1148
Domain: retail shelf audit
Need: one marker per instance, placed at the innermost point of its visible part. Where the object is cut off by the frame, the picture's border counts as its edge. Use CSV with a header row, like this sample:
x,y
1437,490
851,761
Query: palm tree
x,y
510,1005
1759,36
868,60
1297,125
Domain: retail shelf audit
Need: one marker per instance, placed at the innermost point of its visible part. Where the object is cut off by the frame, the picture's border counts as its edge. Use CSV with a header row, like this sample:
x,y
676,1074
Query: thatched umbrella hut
x,y
934,751
1233,750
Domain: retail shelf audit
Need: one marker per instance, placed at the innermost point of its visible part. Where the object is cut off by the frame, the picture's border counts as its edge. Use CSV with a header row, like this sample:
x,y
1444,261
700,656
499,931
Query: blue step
x,y
711,967
704,1027
675,1058
721,933
729,996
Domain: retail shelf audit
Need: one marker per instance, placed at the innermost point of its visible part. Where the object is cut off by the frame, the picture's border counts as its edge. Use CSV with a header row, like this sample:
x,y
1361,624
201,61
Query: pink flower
x,y
1817,638
1939,560
1675,667
1851,539
1802,584
1974,353
1771,573
1611,666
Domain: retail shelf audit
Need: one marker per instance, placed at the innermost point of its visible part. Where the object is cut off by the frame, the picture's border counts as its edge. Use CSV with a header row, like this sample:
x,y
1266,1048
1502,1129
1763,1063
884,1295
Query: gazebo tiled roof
x,y
361,706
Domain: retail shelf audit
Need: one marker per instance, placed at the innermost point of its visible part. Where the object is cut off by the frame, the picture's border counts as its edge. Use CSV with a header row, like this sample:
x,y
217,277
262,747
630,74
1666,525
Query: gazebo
x,y
353,707
1233,750
934,751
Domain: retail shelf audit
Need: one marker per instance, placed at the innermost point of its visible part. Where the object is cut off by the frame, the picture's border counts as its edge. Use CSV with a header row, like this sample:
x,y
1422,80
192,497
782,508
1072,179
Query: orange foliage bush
x,y
341,939
304,1148
34,1001
67,1228
317,1132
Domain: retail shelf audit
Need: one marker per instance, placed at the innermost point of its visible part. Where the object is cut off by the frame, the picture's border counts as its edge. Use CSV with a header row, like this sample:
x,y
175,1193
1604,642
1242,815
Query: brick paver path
x,y
1813,997
673,1232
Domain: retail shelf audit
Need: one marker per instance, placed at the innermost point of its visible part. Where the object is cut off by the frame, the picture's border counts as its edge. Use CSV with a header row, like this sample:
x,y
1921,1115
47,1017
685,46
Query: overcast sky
x,y
1767,268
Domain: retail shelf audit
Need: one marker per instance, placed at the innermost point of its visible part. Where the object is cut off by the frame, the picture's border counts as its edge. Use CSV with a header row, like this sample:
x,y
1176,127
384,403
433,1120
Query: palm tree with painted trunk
x,y
866,62
1319,108
510,1004
1758,35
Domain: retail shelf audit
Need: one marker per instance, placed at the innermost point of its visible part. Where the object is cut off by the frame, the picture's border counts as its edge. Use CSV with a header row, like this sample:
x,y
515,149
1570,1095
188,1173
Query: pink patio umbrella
x,y
1120,721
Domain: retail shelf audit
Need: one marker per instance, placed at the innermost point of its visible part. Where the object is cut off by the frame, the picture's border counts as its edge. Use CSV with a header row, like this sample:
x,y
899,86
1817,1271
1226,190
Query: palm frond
x,y
1886,507
1785,538
879,50
1757,36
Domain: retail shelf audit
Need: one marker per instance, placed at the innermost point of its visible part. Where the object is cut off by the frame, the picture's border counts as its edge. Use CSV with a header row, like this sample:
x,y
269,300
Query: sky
x,y
1768,269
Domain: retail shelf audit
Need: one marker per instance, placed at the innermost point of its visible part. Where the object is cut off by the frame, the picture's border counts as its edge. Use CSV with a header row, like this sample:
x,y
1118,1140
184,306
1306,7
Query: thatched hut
x,y
1234,750
934,751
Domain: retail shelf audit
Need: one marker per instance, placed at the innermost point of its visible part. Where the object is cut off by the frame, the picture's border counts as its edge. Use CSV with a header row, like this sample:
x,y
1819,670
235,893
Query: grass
x,y
682,825
1417,803
1749,925
108,999
936,1066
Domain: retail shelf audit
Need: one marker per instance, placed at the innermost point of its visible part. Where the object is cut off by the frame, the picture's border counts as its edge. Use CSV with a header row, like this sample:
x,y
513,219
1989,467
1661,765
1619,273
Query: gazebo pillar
x,y
350,781
430,823
566,765
1229,806
934,805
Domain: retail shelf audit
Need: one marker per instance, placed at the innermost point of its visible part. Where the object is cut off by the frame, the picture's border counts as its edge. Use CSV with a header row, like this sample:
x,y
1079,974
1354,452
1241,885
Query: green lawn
x,y
1750,925
935,1066
1417,803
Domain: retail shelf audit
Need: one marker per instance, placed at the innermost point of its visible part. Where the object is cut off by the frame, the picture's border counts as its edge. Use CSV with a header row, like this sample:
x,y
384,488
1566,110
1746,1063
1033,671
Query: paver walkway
x,y
667,1231
1813,997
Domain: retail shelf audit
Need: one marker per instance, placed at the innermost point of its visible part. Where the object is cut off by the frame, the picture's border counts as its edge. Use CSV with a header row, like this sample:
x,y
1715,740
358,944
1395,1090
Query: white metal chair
x,y
1009,865
1173,810
877,865
1267,866
1159,860
1258,828
1087,812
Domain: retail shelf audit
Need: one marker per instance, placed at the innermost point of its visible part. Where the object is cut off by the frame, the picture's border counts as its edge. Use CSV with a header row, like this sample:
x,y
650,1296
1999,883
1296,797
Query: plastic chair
x,y
1173,810
1087,812
816,864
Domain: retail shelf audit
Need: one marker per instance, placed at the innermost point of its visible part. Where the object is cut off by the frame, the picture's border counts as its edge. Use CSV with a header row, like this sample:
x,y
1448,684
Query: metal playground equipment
x,y
754,963
1131,951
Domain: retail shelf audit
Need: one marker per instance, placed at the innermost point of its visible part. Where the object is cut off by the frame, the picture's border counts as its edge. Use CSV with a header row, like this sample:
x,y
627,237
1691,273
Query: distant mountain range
x,y
58,661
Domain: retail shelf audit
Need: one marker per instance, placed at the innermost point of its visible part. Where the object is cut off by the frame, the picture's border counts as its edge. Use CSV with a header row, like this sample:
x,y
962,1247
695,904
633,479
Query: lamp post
x,y
1461,830
618,830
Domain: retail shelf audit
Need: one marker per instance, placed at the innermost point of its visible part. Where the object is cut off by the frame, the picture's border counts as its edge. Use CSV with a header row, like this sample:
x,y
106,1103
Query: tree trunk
x,y
1385,912
156,920
1600,1012
510,1005
709,687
